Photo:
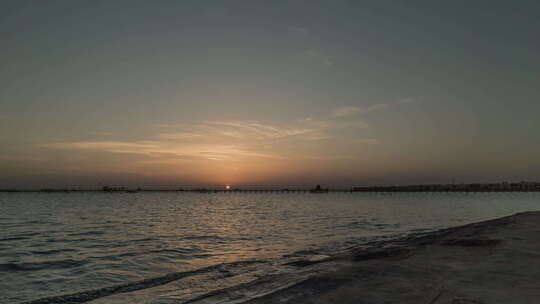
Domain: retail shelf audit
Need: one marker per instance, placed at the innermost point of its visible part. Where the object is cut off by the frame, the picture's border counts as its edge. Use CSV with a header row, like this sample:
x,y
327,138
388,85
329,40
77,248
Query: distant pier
x,y
492,187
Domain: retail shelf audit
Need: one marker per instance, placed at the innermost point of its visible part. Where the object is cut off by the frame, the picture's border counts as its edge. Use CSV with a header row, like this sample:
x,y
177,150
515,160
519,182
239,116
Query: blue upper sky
x,y
268,92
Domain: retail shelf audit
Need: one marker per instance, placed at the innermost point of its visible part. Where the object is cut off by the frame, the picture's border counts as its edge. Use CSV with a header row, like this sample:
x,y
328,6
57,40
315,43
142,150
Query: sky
x,y
268,93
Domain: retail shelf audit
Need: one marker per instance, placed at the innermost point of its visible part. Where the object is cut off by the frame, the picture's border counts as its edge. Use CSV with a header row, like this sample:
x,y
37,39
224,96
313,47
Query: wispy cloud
x,y
110,146
210,140
367,141
320,56
156,148
333,124
252,130
353,110
406,101
328,62
345,111
222,140
262,130
298,30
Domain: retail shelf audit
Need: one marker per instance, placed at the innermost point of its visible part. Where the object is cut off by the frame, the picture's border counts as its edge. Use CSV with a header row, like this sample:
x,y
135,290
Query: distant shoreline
x,y
491,187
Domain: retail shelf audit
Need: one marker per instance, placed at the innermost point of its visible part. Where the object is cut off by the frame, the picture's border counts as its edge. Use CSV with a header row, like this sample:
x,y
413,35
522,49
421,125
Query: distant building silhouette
x,y
318,189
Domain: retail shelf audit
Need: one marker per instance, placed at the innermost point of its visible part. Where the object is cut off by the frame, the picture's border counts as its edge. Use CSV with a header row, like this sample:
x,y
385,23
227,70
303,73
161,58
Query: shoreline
x,y
493,261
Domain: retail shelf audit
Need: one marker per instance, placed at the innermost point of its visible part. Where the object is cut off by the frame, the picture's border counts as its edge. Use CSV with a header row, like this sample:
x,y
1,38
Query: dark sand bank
x,y
496,261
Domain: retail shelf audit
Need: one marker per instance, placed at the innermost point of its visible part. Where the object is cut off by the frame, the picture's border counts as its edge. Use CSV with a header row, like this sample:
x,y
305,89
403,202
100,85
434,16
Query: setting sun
x,y
227,187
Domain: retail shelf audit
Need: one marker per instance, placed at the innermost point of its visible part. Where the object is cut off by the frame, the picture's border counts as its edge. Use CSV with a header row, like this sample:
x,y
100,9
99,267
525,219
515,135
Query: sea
x,y
182,247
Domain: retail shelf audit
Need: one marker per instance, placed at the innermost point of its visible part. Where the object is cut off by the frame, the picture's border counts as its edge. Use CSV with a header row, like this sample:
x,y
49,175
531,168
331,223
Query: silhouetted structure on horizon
x,y
493,187
318,189
490,187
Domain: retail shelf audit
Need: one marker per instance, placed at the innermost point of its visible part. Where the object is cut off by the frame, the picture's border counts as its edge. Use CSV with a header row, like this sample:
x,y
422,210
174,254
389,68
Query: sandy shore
x,y
496,261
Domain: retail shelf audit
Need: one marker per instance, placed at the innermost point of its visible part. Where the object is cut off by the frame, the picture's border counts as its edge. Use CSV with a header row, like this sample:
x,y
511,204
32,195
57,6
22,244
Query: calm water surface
x,y
60,243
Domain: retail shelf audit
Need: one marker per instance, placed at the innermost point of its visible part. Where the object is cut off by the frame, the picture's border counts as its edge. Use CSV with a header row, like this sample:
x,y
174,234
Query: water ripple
x,y
34,266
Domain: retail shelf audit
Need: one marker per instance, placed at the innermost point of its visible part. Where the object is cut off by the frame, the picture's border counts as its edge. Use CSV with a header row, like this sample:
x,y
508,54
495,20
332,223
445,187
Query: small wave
x,y
90,295
10,267
146,239
26,234
93,232
303,252
369,225
52,251
13,238
183,253
202,256
180,251
203,237
89,243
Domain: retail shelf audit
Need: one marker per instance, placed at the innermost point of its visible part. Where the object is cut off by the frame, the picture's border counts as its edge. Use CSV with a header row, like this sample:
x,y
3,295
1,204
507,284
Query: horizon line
x,y
231,187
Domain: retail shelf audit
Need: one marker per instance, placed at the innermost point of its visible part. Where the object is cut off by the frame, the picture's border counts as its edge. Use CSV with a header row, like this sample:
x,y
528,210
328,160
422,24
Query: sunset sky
x,y
268,93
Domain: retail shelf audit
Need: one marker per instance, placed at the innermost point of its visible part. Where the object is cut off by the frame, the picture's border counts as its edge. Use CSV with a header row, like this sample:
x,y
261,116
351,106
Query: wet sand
x,y
496,261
